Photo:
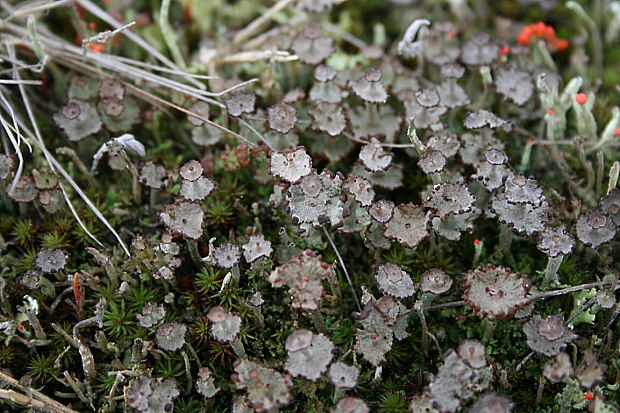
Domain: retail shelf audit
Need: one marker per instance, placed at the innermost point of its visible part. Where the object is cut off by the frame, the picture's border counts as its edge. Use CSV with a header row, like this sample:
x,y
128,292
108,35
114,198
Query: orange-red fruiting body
x,y
541,30
581,98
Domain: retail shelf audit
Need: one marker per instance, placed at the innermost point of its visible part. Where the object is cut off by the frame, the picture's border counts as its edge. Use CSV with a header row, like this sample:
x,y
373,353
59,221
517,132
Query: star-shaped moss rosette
x,y
549,335
266,388
309,354
495,292
303,275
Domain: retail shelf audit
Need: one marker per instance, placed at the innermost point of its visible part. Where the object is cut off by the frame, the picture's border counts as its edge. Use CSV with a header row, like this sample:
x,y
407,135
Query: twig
x,y
344,268
38,7
444,305
37,398
346,36
256,25
383,144
92,8
541,296
30,402
54,165
253,56
597,42
104,36
157,68
583,308
525,360
182,109
257,133
20,82
168,33
568,290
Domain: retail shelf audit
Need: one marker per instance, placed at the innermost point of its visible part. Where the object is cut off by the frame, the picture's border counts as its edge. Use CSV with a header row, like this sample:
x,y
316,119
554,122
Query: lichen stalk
x,y
319,322
192,247
551,271
238,348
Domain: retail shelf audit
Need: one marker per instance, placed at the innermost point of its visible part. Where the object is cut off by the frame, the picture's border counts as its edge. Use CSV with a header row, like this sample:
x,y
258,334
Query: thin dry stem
x,y
36,398
344,268
257,24
103,15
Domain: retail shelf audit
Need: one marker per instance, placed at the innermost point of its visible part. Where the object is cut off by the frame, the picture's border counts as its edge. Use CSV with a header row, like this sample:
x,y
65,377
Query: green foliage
x,y
24,232
118,321
55,240
393,402
42,369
